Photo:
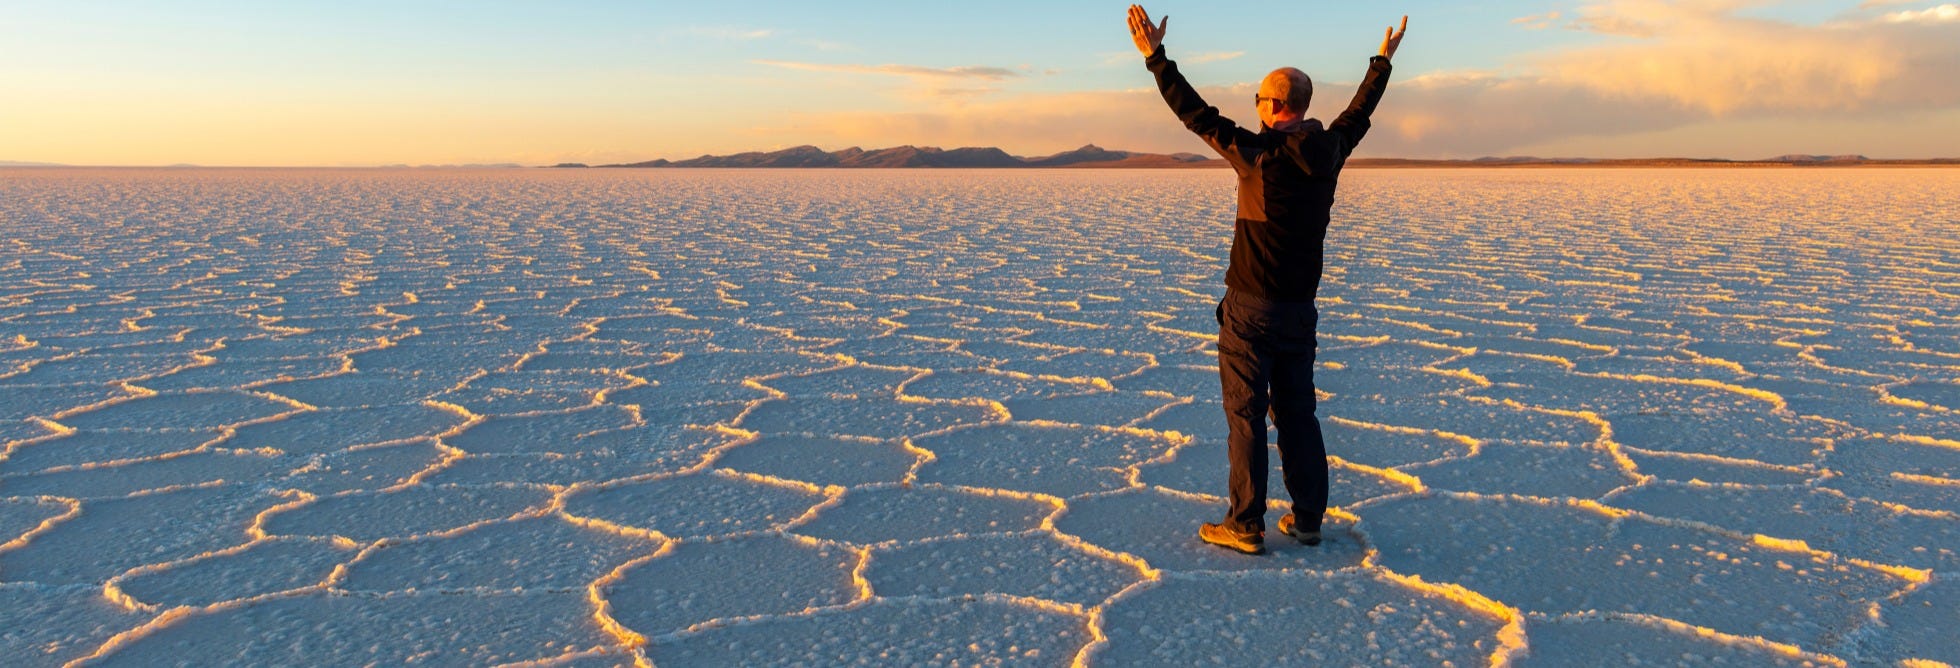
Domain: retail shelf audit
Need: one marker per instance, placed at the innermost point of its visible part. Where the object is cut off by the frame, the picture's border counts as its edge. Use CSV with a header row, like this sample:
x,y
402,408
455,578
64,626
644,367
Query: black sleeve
x,y
1353,124
1220,132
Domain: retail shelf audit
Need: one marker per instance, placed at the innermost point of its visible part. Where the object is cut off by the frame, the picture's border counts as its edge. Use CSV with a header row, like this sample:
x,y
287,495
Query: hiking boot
x,y
1223,536
1291,528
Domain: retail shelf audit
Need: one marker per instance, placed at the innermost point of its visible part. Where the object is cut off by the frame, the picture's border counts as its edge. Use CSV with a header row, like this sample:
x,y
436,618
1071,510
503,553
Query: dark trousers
x,y
1265,363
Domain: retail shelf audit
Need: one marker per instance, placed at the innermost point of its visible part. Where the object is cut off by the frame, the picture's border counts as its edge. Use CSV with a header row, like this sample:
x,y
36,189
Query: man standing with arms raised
x,y
1287,172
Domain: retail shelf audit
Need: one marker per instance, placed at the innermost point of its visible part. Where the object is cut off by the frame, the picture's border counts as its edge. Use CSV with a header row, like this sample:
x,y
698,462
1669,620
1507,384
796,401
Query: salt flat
x,y
569,417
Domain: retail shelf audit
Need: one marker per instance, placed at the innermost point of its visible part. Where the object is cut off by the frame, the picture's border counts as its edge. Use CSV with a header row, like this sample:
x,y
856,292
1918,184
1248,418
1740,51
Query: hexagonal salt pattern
x,y
679,417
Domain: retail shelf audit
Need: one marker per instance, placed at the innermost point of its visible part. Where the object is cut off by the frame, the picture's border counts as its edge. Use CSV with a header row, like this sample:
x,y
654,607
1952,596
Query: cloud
x,y
725,32
1212,57
1537,21
911,71
1940,14
826,45
1702,56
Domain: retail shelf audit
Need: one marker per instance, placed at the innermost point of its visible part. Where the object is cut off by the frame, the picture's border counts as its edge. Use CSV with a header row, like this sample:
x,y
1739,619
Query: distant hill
x,y
1093,156
1792,160
932,156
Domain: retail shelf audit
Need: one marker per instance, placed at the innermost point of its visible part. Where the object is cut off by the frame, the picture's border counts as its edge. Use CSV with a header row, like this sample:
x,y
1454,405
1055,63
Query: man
x,y
1266,322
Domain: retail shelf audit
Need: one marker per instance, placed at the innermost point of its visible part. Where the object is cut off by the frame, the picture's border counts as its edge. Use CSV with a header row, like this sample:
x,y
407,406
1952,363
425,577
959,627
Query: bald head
x,y
1283,98
1288,84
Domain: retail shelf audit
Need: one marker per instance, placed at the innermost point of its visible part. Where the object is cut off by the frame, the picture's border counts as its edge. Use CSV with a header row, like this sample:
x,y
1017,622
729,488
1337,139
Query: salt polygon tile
x,y
1055,460
363,469
404,512
871,418
526,554
1389,355
1884,418
890,632
263,567
1266,618
114,535
885,514
1032,566
324,431
84,447
1384,446
1686,468
987,384
1602,641
1162,530
1084,364
378,630
21,515
1935,395
1664,367
1365,381
100,368
843,462
555,469
366,388
696,505
1179,381
852,381
612,358
240,374
704,414
1132,339
1481,421
1556,558
117,480
1823,519
740,578
1737,434
1096,408
50,626
1880,457
1496,365
209,411
24,401
1916,625
547,432
509,392
1528,470
680,393
1929,494
1621,396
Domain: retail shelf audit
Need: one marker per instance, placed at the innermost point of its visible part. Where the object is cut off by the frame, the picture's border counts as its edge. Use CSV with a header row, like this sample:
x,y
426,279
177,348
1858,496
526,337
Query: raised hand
x,y
1391,40
1148,37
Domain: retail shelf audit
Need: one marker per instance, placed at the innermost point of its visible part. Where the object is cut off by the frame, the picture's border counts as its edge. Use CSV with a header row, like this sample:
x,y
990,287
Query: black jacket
x,y
1286,182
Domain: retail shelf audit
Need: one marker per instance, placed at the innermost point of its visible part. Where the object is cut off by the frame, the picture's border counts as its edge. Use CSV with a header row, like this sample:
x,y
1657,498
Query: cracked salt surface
x,y
764,418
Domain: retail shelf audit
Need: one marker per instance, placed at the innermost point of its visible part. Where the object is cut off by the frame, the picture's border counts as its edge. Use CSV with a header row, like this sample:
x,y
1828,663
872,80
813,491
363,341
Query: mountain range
x,y
931,156
1094,156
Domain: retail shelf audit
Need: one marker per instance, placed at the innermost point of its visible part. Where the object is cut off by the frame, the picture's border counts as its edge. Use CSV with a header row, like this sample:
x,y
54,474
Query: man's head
x,y
1283,97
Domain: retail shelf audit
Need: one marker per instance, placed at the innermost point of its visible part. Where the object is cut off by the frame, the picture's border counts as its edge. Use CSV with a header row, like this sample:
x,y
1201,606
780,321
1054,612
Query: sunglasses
x,y
1256,99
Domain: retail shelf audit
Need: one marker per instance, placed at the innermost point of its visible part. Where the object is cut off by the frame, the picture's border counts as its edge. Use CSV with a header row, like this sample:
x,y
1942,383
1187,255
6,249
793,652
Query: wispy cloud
x,y
1212,56
1538,21
826,45
731,33
910,71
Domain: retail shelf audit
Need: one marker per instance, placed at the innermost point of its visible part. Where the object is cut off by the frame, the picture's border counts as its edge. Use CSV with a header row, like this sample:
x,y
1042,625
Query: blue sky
x,y
352,83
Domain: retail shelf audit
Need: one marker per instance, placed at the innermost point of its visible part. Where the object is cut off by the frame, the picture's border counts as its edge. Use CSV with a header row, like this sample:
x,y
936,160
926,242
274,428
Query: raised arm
x,y
1221,133
1353,123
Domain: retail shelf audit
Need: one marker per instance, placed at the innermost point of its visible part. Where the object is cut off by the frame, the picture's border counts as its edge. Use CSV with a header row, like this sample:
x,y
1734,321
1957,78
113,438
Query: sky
x,y
360,82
